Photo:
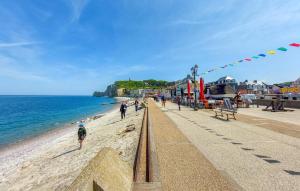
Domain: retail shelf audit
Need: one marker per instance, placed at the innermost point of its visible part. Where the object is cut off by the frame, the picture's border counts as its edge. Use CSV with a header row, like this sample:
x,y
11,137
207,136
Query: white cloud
x,y
16,44
188,22
77,8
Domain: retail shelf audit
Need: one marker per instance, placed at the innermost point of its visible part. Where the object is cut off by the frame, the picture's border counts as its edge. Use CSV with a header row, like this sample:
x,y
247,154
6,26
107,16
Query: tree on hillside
x,y
132,84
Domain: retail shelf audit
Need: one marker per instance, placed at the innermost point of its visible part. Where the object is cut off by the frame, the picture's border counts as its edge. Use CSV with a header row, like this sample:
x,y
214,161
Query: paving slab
x,y
182,166
235,152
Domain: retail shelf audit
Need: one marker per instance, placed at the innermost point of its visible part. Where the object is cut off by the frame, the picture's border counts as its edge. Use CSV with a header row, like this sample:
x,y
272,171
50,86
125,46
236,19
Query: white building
x,y
253,87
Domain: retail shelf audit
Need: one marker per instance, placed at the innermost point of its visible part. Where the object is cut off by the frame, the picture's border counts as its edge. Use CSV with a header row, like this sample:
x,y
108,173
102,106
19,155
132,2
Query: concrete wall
x,y
288,103
104,172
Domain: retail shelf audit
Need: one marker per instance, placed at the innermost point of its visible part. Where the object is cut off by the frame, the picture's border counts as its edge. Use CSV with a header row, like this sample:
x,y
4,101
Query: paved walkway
x,y
286,128
255,158
182,166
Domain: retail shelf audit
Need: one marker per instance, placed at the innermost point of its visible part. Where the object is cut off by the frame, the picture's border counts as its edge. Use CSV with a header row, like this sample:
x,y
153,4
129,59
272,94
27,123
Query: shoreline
x,y
54,161
52,134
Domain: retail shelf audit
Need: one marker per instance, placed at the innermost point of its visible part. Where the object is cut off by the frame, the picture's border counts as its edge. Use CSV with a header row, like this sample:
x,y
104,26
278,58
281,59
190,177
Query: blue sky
x,y
78,46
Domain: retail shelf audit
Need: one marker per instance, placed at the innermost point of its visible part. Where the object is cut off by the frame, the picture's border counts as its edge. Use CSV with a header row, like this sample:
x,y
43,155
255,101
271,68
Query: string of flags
x,y
249,59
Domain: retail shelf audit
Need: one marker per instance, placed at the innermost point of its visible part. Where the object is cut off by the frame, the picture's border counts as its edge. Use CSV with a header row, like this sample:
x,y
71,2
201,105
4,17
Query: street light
x,y
194,71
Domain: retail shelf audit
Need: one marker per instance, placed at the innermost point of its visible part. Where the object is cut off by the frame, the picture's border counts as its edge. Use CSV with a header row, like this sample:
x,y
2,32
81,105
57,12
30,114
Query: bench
x,y
221,112
228,110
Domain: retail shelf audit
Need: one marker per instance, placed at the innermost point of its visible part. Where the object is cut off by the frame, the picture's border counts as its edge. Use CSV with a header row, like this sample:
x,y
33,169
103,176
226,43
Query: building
x,y
180,87
225,85
292,87
253,87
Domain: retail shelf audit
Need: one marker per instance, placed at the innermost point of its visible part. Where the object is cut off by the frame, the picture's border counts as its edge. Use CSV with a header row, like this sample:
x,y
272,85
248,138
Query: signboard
x,y
290,90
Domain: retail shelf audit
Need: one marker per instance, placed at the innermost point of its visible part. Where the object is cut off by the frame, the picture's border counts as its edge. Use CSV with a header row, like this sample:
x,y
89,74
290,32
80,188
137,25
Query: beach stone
x,y
128,128
25,165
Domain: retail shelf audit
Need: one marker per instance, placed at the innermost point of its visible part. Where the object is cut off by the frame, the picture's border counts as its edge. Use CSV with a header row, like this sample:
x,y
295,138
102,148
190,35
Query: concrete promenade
x,y
253,157
182,166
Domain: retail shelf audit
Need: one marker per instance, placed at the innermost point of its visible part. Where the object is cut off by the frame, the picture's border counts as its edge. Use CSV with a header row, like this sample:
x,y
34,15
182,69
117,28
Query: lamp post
x,y
194,71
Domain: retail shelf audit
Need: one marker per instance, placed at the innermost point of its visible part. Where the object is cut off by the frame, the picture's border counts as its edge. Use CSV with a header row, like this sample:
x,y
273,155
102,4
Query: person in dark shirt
x,y
163,101
178,100
123,108
81,134
136,104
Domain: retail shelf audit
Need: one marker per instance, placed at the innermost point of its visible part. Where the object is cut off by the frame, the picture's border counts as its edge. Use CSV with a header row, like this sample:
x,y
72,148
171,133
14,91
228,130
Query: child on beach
x,y
81,134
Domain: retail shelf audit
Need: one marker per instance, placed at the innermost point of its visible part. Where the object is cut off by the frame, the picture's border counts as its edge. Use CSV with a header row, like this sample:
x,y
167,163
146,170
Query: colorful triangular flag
x,y
271,52
295,44
262,55
255,57
282,49
248,59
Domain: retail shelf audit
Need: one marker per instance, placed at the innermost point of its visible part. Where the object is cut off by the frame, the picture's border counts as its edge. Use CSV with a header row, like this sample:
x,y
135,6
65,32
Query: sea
x,y
24,117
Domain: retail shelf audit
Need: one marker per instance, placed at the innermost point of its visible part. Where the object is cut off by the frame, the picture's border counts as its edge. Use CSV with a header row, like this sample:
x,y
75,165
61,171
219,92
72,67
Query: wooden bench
x,y
221,112
228,110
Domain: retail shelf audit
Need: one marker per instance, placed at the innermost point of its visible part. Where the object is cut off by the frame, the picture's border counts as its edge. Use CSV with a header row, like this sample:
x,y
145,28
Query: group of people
x,y
82,130
163,101
123,108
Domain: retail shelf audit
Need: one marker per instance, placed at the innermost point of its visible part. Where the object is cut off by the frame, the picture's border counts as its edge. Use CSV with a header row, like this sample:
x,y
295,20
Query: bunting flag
x,y
201,92
262,55
295,44
282,49
271,52
189,89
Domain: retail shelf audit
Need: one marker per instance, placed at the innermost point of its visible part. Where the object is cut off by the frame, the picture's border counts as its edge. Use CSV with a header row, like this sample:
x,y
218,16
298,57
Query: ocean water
x,y
23,117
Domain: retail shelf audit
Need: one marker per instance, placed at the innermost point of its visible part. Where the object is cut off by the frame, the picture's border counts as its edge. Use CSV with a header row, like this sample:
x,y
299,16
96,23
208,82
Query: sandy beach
x,y
53,161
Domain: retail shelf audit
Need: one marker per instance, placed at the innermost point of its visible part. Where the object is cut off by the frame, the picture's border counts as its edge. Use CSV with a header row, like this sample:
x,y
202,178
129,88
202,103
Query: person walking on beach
x,y
163,101
123,110
178,100
136,104
81,134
